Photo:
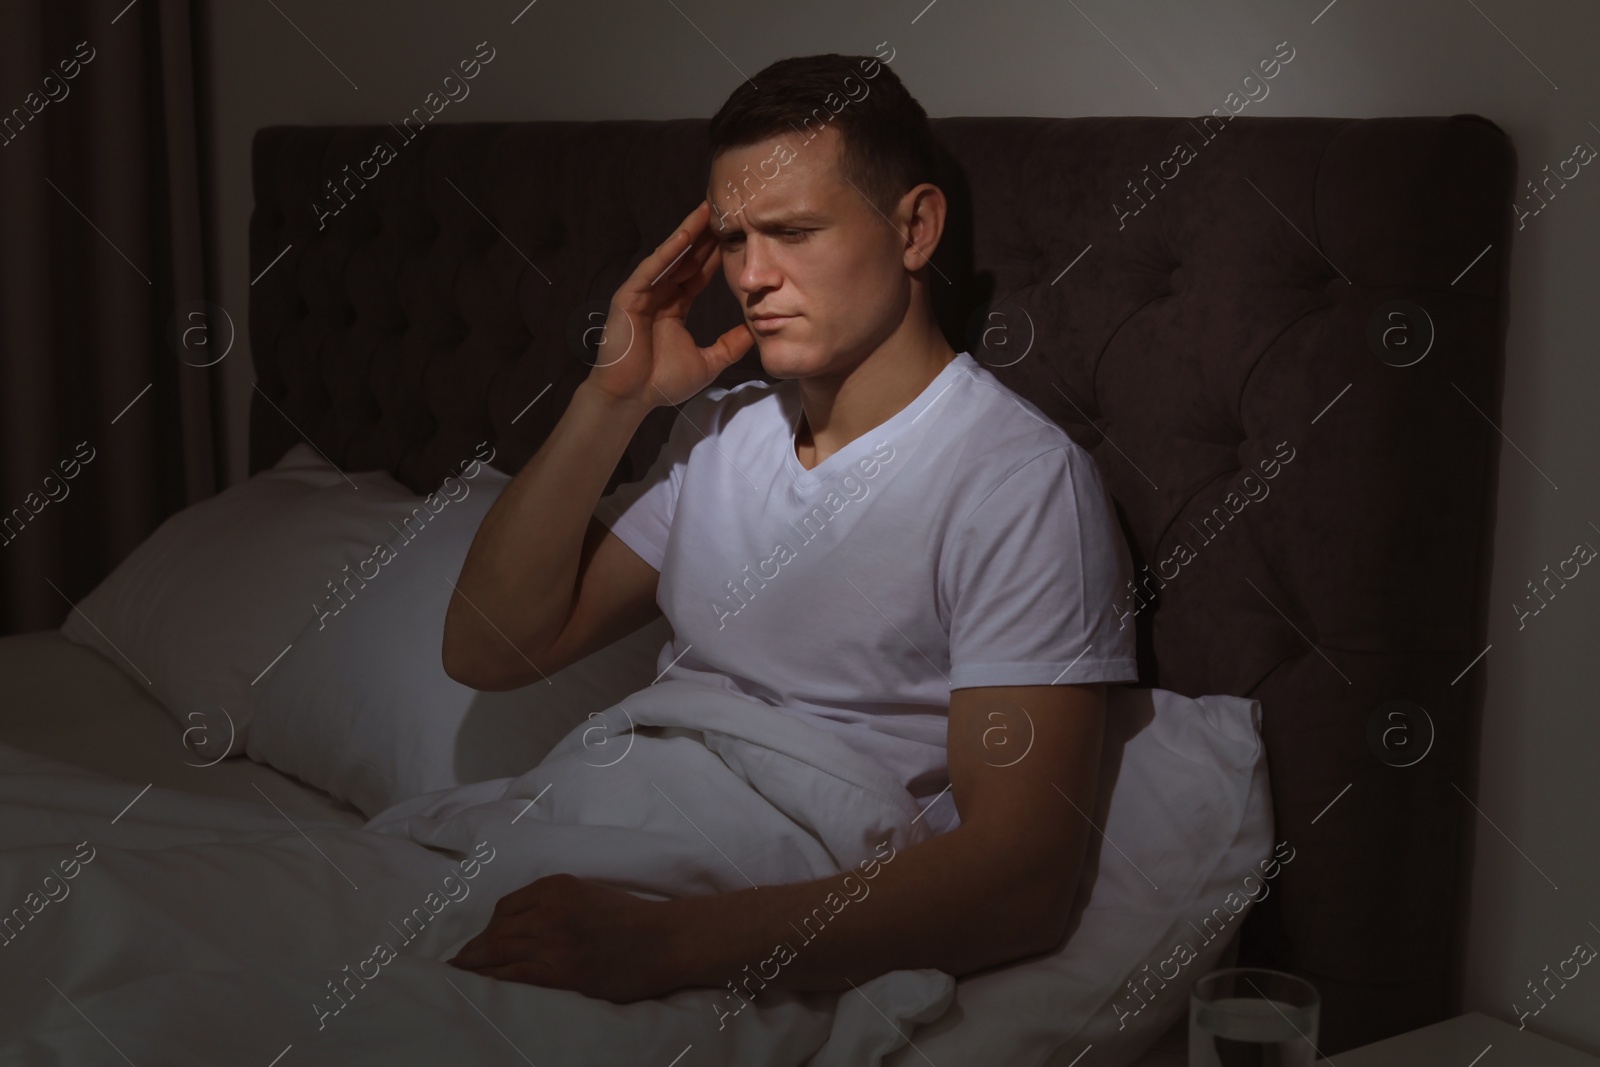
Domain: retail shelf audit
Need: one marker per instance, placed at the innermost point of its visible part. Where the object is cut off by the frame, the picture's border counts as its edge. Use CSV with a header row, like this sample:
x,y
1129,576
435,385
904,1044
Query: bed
x,y
1265,306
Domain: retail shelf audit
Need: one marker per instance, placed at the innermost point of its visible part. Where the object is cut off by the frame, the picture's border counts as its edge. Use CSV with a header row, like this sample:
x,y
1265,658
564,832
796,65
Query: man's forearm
x,y
518,578
956,903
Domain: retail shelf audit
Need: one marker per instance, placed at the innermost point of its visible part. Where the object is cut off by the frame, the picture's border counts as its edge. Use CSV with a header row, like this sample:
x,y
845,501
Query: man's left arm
x,y
997,888
1023,765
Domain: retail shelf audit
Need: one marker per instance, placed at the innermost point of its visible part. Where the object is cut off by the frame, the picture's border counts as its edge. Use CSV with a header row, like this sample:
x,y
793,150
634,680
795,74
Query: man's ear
x,y
925,210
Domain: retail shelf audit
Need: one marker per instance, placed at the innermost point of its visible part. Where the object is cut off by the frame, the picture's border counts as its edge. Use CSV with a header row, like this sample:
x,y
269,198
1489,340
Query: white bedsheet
x,y
204,930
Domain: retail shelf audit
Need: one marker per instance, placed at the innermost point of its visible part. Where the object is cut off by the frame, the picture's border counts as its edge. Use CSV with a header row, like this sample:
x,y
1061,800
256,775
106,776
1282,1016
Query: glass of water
x,y
1253,1017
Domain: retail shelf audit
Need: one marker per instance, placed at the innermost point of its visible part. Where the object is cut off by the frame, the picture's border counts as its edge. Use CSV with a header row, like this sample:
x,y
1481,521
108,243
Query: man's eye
x,y
790,235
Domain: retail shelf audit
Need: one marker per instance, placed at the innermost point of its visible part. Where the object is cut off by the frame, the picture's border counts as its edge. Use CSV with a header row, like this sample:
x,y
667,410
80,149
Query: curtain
x,y
109,348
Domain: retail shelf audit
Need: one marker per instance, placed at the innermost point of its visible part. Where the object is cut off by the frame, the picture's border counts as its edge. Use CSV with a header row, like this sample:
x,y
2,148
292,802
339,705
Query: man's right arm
x,y
545,583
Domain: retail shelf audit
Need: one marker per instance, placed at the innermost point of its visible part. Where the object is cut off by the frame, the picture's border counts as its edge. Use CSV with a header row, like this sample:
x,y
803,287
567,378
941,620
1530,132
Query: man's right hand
x,y
646,355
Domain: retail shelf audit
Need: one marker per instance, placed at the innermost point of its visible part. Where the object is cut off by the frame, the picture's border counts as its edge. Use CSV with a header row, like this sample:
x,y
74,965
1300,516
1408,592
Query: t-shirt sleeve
x,y
640,512
1032,576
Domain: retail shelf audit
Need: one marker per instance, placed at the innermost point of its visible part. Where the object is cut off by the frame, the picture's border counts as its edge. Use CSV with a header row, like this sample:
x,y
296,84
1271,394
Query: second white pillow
x,y
362,708
203,608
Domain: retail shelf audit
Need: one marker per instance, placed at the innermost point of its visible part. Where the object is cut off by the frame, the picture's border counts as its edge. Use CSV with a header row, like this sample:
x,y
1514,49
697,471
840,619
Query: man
x,y
888,544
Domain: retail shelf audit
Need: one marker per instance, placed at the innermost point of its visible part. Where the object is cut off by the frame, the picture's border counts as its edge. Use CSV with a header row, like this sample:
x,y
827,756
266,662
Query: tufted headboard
x,y
1283,347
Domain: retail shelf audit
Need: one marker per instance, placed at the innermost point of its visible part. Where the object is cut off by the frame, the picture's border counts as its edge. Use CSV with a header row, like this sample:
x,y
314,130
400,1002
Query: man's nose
x,y
760,269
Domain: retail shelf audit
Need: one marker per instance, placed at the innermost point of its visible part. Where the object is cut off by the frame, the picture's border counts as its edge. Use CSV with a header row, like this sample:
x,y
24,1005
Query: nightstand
x,y
1459,1042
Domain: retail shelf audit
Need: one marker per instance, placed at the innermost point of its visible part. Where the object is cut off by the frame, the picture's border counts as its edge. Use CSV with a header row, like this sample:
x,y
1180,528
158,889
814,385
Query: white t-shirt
x,y
966,541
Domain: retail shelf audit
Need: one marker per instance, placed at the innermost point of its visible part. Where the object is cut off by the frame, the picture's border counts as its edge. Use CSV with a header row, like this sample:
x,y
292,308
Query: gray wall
x,y
1535,75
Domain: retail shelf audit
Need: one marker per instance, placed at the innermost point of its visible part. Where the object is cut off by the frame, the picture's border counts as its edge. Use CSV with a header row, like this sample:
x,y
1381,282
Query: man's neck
x,y
836,411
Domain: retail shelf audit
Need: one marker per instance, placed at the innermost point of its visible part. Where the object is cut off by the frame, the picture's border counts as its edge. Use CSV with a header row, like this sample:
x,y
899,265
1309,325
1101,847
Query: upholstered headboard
x,y
1190,317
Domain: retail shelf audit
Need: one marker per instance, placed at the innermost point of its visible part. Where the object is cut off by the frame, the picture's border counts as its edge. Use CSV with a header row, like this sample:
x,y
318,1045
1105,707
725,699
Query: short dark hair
x,y
886,146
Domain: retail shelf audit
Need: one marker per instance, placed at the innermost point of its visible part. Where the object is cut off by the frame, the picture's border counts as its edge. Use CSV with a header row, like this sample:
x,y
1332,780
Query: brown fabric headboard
x,y
1208,323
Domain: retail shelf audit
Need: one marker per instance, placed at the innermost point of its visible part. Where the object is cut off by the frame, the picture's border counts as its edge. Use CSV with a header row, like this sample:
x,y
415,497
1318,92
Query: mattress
x,y
70,703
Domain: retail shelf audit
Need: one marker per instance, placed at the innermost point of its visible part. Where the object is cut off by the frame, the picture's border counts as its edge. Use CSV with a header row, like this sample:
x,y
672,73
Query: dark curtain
x,y
109,381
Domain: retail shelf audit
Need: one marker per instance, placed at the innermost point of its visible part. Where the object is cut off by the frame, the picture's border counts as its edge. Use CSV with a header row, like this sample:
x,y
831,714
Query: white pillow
x,y
204,606
362,708
1190,813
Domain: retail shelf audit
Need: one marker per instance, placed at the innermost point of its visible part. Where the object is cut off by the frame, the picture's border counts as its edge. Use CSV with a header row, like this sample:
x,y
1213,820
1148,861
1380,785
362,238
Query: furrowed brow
x,y
779,221
788,218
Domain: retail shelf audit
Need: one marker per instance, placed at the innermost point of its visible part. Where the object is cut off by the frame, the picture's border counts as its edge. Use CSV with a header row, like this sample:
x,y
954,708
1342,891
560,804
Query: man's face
x,y
798,240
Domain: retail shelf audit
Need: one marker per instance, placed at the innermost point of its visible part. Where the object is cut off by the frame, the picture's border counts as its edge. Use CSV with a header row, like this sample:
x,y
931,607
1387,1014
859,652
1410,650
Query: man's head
x,y
821,194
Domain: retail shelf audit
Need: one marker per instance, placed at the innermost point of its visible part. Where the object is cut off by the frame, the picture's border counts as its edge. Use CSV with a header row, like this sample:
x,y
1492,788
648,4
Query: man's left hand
x,y
565,932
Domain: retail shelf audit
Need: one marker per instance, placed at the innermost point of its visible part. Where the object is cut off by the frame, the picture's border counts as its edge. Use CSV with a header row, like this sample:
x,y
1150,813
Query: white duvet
x,y
185,930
